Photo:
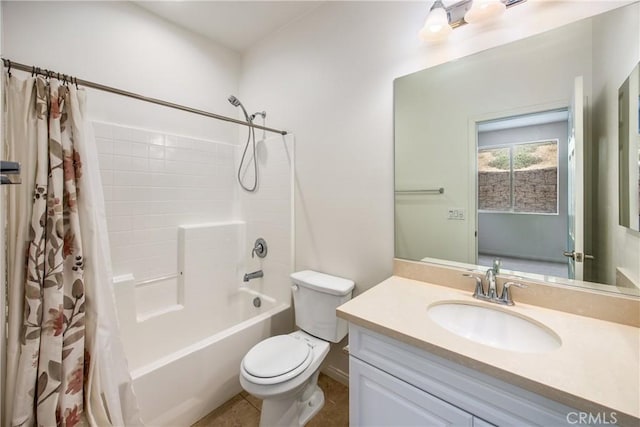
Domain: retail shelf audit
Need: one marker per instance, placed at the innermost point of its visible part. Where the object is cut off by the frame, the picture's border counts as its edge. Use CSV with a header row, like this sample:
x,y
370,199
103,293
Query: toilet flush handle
x,y
294,288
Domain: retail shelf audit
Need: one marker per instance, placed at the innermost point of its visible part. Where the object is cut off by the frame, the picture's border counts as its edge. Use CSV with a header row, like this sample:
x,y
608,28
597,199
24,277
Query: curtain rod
x,y
48,73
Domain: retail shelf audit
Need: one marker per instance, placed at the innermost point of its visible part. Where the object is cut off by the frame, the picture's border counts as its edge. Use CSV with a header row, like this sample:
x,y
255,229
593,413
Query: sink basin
x,y
494,327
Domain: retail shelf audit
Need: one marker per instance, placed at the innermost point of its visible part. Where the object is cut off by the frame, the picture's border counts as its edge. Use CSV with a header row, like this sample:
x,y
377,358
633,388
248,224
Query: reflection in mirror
x,y
501,132
522,191
629,151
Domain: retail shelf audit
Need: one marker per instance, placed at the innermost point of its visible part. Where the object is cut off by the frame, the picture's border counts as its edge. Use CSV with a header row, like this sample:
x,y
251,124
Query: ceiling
x,y
233,24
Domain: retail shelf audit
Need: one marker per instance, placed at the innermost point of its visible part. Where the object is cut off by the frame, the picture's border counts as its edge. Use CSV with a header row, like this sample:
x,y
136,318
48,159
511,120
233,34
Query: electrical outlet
x,y
456,214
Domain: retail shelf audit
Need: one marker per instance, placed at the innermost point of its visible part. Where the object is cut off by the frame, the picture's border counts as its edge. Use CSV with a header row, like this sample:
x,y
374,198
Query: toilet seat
x,y
276,359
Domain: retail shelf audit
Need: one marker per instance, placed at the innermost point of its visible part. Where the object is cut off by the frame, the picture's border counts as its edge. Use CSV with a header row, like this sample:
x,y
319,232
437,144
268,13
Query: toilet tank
x,y
316,297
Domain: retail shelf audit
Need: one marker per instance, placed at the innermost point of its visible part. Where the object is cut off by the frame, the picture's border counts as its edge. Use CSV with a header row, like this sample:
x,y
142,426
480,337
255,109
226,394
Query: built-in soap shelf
x,y
207,256
139,301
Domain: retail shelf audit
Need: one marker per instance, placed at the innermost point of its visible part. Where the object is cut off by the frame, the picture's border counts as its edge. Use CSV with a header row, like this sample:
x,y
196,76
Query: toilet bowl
x,y
283,370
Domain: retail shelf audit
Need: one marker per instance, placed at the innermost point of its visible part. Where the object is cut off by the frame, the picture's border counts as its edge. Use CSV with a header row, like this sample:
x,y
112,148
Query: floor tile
x,y
236,412
243,410
335,412
254,401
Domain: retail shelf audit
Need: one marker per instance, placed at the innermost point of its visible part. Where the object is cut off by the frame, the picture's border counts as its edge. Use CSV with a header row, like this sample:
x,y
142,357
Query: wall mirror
x,y
510,153
629,151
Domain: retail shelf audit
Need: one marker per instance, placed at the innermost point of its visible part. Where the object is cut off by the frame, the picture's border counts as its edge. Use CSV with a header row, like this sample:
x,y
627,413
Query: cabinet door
x,y
379,399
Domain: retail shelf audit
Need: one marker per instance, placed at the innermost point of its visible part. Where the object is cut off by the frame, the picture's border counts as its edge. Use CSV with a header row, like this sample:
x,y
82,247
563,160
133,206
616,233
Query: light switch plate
x,y
456,214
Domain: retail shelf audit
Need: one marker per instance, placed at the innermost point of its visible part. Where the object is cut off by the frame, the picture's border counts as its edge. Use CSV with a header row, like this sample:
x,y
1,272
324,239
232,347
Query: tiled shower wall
x,y
155,182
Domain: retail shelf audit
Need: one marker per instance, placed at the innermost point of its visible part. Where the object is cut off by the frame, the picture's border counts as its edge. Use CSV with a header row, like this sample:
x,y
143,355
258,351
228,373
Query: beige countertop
x,y
595,368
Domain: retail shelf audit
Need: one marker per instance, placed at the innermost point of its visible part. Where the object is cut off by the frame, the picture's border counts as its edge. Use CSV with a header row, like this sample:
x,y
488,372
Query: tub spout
x,y
254,275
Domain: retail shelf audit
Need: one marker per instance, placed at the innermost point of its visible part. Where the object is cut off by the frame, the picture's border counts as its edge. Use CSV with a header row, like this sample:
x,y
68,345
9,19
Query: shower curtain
x,y
65,361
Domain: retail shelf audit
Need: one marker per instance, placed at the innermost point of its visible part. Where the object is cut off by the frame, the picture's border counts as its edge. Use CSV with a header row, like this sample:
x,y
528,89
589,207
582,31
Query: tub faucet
x,y
254,275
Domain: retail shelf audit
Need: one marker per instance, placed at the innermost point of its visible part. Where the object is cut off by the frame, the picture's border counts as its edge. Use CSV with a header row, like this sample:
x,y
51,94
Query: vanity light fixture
x,y
436,27
482,10
442,19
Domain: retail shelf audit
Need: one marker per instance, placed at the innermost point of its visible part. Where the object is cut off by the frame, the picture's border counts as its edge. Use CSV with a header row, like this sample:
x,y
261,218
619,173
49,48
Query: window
x,y
519,177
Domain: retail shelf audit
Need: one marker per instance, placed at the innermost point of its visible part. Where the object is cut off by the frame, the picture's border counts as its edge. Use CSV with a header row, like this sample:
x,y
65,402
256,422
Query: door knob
x,y
577,256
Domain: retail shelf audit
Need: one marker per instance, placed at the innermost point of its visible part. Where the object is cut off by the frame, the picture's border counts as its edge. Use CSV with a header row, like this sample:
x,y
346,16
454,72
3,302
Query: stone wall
x,y
494,190
535,190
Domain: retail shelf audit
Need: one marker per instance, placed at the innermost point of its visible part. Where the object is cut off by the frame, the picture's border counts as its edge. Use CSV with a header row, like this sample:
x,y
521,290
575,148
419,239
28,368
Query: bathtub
x,y
179,388
186,316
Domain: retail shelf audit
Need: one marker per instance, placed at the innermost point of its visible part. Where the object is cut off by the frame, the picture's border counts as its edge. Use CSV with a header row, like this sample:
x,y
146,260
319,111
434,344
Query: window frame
x,y
511,146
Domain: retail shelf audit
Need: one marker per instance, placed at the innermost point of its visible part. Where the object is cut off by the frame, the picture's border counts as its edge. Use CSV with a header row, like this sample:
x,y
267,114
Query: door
x,y
575,235
379,399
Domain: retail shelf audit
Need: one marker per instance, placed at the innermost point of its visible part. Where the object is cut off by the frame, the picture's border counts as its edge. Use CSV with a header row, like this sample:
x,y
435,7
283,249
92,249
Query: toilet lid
x,y
276,356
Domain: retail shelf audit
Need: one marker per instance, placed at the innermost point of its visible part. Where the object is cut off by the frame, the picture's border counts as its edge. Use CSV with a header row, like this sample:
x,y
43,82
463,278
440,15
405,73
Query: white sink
x,y
494,327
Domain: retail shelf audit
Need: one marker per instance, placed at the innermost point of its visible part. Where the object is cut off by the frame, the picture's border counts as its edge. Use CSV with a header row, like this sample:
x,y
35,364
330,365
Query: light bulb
x,y
482,10
436,27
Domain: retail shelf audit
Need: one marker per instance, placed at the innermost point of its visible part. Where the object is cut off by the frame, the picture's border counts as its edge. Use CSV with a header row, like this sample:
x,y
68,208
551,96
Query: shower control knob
x,y
259,248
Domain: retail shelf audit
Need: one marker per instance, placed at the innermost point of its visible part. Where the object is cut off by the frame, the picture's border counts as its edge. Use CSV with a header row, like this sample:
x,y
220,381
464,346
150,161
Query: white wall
x,y
328,78
619,52
121,45
153,183
269,214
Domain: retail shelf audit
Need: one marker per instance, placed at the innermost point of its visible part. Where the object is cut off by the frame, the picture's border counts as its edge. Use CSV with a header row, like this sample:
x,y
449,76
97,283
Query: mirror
x,y
629,151
496,157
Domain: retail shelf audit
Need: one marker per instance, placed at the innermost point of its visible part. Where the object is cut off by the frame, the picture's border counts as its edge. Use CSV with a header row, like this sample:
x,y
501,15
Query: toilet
x,y
283,370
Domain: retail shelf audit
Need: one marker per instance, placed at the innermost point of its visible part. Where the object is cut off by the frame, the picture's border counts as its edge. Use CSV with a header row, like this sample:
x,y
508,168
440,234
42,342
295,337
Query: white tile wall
x,y
154,182
269,214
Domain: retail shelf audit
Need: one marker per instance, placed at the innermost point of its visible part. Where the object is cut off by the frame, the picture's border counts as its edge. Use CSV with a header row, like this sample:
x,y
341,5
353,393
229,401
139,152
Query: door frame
x,y
472,149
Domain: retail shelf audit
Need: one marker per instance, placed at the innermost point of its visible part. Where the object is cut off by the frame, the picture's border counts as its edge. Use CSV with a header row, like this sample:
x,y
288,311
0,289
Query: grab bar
x,y
424,191
157,279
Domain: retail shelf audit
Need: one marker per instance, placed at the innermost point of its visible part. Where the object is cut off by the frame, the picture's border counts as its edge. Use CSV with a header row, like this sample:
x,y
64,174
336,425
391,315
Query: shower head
x,y
234,101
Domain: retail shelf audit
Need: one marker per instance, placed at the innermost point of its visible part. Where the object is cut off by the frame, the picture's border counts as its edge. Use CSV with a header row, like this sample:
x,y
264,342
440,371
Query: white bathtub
x,y
179,388
187,319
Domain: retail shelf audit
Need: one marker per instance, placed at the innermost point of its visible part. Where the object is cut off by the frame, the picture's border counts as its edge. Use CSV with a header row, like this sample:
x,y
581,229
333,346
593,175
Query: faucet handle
x,y
479,291
505,298
259,248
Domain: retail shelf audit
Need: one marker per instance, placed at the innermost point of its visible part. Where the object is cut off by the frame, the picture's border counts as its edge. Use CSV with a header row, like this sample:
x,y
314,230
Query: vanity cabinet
x,y
395,384
380,399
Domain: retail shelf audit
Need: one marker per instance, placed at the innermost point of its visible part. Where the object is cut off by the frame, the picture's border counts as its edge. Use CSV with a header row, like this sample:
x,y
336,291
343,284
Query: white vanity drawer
x,y
493,400
379,399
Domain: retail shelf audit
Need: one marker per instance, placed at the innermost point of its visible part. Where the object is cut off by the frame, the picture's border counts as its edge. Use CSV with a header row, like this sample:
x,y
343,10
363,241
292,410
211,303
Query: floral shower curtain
x,y
65,362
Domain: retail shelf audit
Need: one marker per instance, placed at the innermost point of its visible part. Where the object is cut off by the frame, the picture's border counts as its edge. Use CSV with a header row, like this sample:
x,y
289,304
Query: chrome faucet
x,y
479,292
491,293
491,281
254,275
505,298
